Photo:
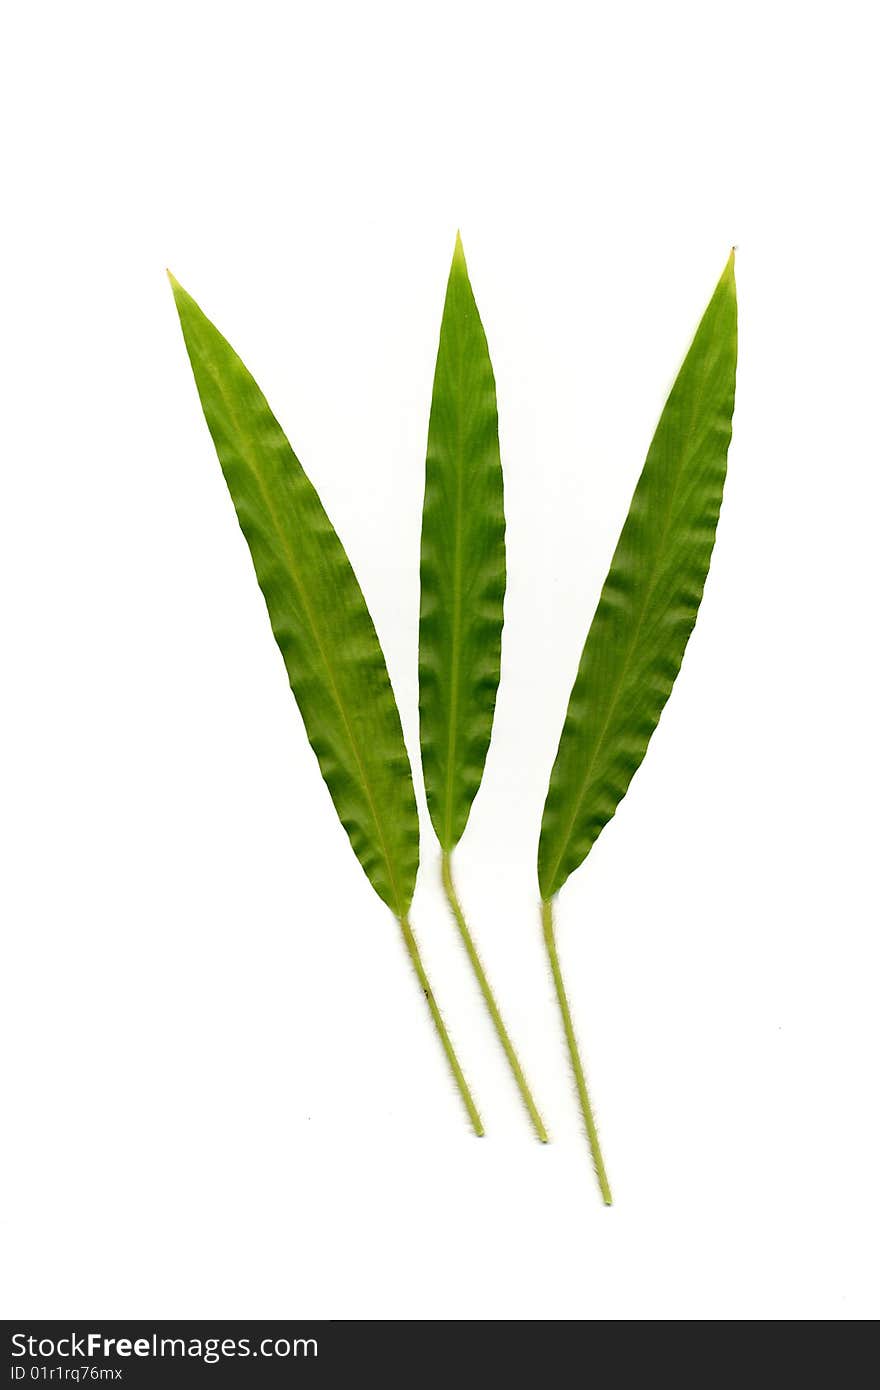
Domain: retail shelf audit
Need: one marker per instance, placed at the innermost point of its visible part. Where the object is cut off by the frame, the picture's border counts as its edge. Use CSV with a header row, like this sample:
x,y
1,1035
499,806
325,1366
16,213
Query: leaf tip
x,y
458,253
175,283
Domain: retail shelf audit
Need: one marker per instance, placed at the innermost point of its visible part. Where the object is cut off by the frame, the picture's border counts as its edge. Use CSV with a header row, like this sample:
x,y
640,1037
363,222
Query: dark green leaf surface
x,y
318,614
463,571
649,603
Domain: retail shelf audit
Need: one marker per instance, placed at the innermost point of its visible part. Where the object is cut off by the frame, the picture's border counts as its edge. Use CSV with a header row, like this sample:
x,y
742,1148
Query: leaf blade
x,y
650,599
463,564
317,612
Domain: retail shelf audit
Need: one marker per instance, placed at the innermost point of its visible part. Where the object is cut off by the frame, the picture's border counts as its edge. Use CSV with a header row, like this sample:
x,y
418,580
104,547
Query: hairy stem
x,y
445,1039
491,1005
580,1079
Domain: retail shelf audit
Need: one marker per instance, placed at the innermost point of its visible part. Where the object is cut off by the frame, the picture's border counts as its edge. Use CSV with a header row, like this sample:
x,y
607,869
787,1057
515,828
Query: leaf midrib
x,y
251,459
455,656
612,705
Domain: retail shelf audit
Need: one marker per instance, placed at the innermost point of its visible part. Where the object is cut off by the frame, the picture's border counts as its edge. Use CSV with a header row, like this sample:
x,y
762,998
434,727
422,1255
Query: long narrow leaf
x,y
463,576
318,614
463,571
645,616
650,599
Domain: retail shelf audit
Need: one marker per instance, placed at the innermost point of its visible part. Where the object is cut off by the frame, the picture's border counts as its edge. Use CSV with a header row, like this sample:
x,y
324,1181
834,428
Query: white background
x,y
221,1091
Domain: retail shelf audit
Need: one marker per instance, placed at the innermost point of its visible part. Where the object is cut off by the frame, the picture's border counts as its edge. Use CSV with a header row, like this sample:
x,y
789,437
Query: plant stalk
x,y
580,1079
445,1039
489,997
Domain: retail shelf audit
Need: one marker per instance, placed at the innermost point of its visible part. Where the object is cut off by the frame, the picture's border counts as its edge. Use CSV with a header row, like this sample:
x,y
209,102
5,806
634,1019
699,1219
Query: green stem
x,y
580,1079
440,1026
494,1013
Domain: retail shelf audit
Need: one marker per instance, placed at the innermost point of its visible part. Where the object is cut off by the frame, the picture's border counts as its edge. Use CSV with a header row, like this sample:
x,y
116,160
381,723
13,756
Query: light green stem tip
x,y
461,1083
580,1079
489,997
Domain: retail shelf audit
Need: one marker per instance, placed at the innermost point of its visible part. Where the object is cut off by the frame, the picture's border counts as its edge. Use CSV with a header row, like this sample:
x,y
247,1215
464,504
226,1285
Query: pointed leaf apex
x,y
458,253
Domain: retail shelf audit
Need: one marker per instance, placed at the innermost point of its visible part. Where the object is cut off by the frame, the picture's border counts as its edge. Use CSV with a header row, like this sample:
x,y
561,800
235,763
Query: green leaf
x,y
649,604
318,614
463,571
